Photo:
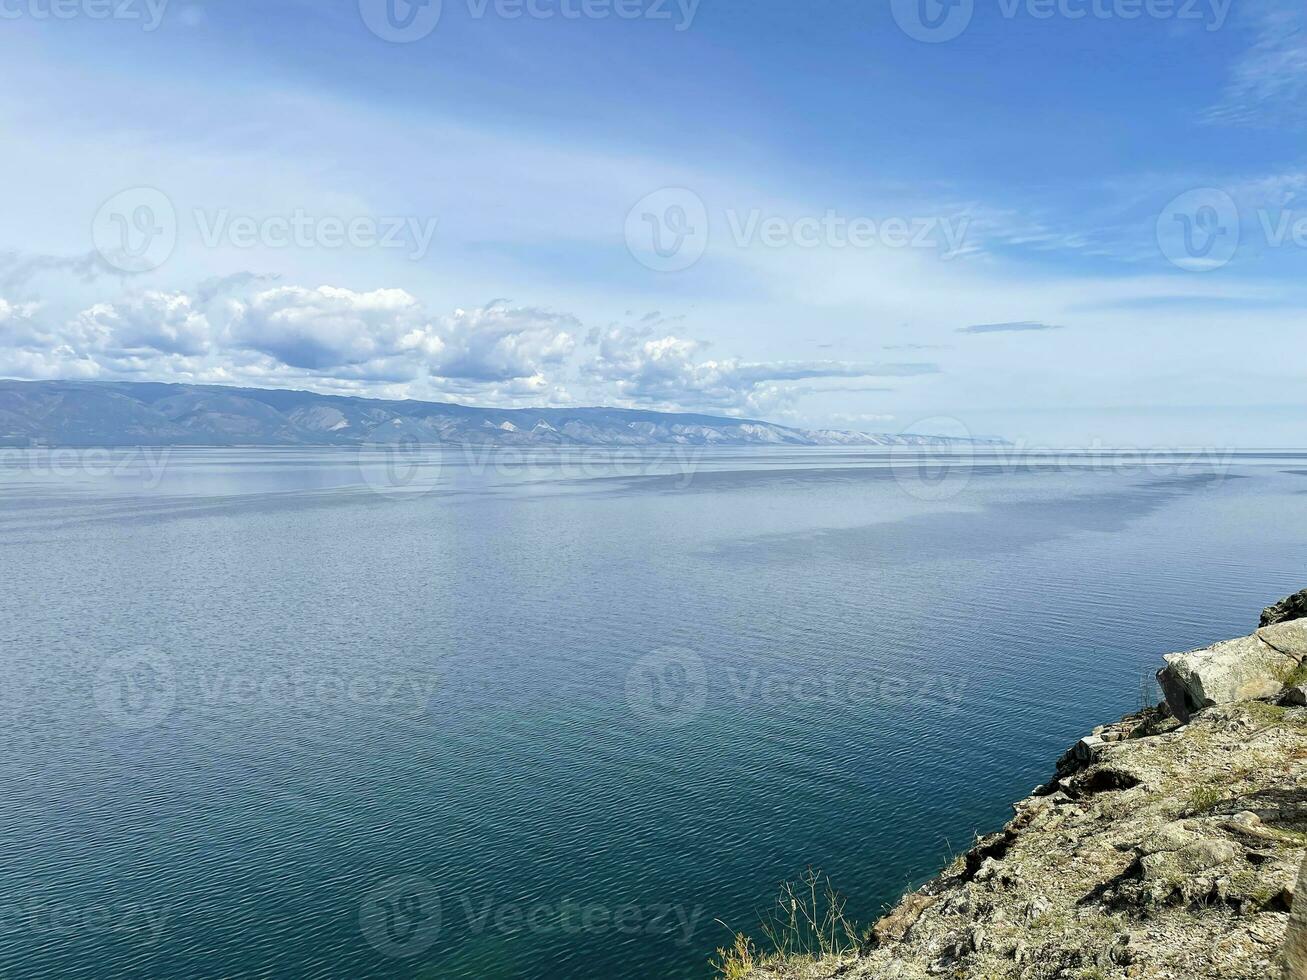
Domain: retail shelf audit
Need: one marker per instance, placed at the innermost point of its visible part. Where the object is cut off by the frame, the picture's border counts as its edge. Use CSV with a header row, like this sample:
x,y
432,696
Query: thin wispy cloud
x,y
17,269
1020,326
1269,82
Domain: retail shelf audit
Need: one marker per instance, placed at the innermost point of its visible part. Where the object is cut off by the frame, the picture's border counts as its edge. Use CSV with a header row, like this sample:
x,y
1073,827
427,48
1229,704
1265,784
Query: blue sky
x,y
1072,223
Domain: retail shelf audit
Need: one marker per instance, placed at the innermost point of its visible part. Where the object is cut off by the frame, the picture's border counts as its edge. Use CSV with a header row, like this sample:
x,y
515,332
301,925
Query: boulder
x,y
1087,749
1288,638
895,926
1236,670
1292,607
1294,697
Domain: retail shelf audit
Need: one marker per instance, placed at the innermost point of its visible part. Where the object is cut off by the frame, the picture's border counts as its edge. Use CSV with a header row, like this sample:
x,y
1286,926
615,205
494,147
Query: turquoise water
x,y
301,714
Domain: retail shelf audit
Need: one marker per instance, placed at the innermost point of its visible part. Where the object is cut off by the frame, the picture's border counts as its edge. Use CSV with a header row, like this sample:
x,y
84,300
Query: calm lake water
x,y
316,714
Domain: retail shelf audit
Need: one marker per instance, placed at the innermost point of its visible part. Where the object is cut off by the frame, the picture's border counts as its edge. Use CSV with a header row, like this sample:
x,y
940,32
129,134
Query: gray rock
x,y
1288,638
1295,696
1206,853
1295,947
1087,749
1170,837
1189,860
1245,669
1292,607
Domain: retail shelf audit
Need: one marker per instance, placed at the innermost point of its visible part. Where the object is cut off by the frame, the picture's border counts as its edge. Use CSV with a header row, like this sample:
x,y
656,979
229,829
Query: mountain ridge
x,y
129,413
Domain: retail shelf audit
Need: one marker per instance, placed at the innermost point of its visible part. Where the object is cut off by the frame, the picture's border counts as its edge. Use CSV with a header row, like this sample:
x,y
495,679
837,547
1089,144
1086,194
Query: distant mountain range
x,y
114,413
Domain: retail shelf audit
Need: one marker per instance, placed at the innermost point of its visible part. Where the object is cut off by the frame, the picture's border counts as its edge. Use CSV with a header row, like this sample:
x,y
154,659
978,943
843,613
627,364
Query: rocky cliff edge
x,y
1170,844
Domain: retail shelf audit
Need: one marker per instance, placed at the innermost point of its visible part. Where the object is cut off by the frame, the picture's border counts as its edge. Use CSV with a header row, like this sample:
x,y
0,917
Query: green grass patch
x,y
1203,798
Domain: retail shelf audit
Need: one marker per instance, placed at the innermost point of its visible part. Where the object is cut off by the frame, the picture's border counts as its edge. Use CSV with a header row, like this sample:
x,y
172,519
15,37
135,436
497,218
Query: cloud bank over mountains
x,y
252,329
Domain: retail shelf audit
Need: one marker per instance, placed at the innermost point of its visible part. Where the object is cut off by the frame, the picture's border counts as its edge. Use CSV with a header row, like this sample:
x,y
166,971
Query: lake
x,y
321,713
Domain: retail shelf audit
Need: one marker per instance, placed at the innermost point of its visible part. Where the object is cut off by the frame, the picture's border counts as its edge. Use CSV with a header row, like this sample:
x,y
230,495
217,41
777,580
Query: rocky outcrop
x,y
1293,607
1258,666
1161,848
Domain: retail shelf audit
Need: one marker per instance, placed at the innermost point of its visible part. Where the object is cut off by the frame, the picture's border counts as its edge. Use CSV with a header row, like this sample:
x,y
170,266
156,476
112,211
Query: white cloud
x,y
669,371
28,351
329,328
167,323
12,313
499,343
237,331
